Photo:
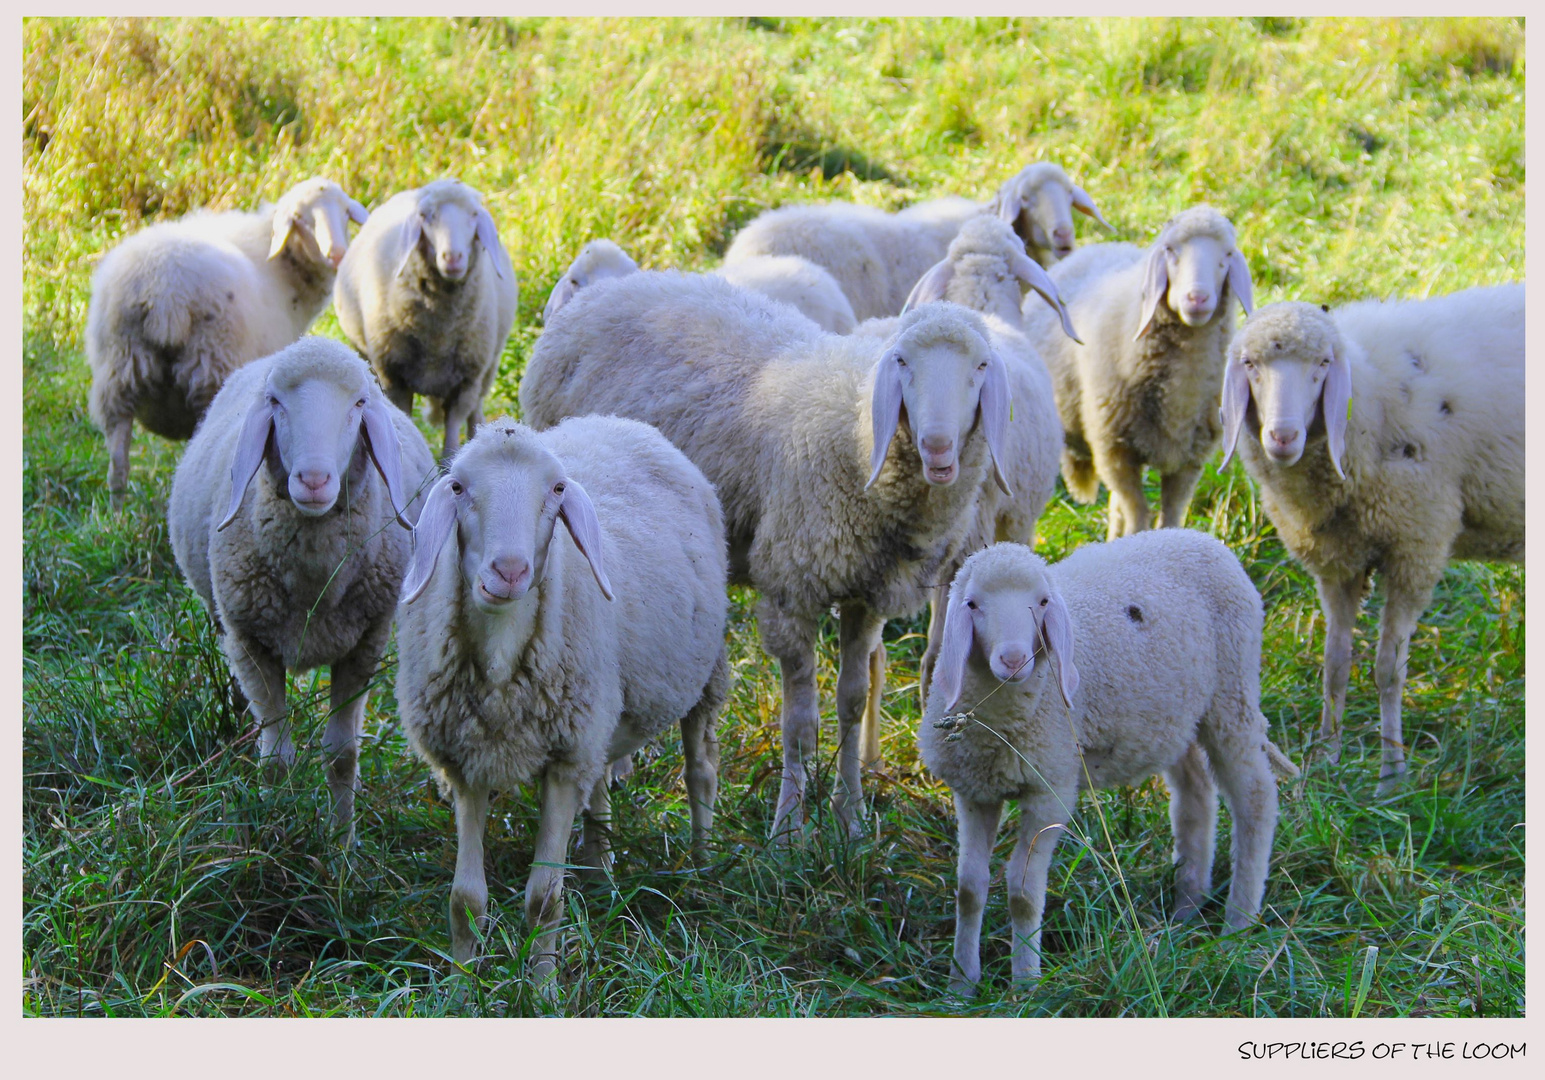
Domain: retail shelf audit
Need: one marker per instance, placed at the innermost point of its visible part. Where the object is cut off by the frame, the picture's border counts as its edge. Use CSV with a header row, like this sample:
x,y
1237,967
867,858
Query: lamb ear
x,y
412,232
1032,274
251,443
356,210
1084,204
930,286
949,671
384,448
283,225
435,523
1007,204
1239,281
994,404
1336,405
578,513
562,293
488,236
1155,284
1236,400
885,412
1057,632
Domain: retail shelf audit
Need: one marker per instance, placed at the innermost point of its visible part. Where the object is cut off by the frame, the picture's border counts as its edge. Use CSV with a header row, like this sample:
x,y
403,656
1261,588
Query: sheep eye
x,y
456,488
360,404
1044,600
1325,362
982,366
971,604
900,361
558,488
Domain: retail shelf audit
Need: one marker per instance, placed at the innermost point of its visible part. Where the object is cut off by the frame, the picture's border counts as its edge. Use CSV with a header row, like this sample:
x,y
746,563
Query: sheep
x,y
282,528
178,306
1154,643
877,257
1142,389
1388,437
429,312
986,270
788,279
519,659
828,499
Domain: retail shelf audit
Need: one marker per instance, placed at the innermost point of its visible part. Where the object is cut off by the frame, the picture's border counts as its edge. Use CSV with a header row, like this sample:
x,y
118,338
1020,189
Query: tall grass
x,y
1367,157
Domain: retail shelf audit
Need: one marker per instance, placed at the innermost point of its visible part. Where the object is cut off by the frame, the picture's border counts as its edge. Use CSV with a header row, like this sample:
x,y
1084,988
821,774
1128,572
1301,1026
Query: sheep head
x,y
449,223
314,215
1039,202
597,260
1195,256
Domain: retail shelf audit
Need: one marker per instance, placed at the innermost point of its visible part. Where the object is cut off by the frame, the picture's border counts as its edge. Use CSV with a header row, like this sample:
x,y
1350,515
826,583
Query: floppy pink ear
x,y
412,232
434,526
994,404
562,293
1084,204
1335,405
885,412
1236,400
1239,281
949,671
250,446
1057,631
488,236
578,513
1032,274
356,210
284,224
1155,284
385,450
930,286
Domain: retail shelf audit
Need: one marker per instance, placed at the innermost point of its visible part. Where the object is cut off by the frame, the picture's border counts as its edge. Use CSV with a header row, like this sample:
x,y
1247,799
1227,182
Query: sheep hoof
x,y
1187,910
963,988
1391,782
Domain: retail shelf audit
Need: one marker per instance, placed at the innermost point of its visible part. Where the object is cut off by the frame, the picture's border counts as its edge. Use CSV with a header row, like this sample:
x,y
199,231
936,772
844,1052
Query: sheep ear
x,y
1239,281
1155,284
412,232
384,448
578,513
949,671
885,412
251,444
1236,400
1007,203
1057,632
930,286
356,210
1034,275
283,226
434,526
562,293
1084,204
994,404
488,236
1336,406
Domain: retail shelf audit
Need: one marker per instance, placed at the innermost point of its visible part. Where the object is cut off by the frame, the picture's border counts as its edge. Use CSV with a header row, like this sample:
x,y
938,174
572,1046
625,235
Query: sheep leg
x,y
469,889
261,676
1244,776
1175,491
869,741
1403,606
595,845
938,601
1193,819
801,723
978,828
340,740
458,411
700,747
1041,818
397,394
859,637
1340,601
544,888
120,434
1122,471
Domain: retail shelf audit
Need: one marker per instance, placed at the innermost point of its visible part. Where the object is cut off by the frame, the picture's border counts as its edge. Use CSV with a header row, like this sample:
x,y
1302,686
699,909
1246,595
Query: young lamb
x,y
520,660
829,498
1154,642
1142,388
988,271
797,282
178,306
1388,437
281,525
877,257
428,296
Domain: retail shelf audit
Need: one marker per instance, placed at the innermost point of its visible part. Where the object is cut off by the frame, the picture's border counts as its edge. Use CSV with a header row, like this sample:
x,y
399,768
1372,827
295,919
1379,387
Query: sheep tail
x,y
1280,764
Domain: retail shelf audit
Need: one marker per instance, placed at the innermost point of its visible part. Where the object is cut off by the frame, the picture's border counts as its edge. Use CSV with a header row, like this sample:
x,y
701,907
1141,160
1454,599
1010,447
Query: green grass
x,y
1357,158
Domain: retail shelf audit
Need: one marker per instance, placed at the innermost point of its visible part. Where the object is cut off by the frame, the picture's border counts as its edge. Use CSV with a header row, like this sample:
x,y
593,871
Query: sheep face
x,y
1039,204
941,371
1004,609
448,225
314,215
503,496
1194,258
1290,360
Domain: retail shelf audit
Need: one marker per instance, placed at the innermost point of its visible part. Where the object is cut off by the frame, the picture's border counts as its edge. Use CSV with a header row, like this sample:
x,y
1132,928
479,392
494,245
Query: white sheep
x,y
178,306
528,652
797,282
877,257
828,499
1154,642
1388,437
427,295
283,529
1142,388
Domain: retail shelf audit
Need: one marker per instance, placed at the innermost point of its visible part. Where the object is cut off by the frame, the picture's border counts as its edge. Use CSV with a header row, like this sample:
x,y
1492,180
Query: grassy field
x,y
1357,158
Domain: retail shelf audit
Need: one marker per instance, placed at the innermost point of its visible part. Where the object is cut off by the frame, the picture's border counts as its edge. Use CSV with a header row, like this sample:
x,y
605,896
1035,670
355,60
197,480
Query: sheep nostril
x,y
938,444
1283,436
313,480
510,568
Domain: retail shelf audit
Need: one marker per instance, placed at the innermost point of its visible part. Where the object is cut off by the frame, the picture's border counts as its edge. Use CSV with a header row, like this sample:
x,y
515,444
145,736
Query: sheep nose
x,y
1013,659
512,569
1062,234
313,480
1284,436
453,264
938,444
335,257
1197,298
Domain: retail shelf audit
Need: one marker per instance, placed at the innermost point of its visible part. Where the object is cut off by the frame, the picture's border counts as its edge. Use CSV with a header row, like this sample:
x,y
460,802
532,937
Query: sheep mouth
x,y
940,474
1061,251
492,599
313,507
